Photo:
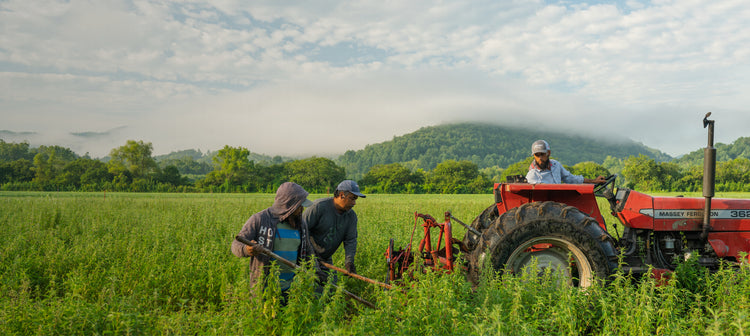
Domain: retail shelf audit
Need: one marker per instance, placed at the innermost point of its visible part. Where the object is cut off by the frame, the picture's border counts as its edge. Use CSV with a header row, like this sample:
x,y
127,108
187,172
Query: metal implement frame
x,y
439,257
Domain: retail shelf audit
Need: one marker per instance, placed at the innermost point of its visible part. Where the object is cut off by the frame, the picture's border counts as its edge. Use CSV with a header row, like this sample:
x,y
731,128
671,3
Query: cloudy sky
x,y
323,77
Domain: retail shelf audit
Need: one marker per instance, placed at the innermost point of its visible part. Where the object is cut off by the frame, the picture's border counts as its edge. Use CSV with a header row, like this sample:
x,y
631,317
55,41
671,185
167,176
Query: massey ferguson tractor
x,y
560,227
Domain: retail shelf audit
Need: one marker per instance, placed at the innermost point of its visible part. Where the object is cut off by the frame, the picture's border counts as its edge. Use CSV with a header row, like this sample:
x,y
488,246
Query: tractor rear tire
x,y
546,235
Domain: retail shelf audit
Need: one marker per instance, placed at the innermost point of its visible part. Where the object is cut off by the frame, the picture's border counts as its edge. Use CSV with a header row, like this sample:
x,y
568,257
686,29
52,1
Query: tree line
x,y
132,168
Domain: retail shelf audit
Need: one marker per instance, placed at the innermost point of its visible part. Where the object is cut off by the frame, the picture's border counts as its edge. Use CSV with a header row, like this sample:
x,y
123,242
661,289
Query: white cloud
x,y
205,74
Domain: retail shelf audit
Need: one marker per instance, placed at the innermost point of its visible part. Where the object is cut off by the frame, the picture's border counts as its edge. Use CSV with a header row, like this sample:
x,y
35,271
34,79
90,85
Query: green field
x,y
123,263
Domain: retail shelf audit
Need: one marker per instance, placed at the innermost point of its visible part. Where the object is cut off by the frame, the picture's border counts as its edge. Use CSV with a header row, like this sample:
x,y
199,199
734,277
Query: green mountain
x,y
740,148
487,146
194,154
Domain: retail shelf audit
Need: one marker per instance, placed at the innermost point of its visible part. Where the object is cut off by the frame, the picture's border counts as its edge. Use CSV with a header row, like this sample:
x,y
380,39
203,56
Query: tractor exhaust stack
x,y
709,175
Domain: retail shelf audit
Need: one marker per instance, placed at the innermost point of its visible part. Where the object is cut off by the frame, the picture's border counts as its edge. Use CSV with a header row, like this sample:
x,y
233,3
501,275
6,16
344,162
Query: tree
x,y
14,151
315,174
135,158
613,165
589,169
233,169
268,178
518,168
234,164
642,173
691,180
456,177
187,165
96,174
170,175
733,175
83,173
16,171
49,162
669,175
494,173
391,178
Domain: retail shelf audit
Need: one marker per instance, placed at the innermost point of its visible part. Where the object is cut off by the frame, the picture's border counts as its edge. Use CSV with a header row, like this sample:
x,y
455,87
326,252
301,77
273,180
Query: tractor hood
x,y
730,218
662,213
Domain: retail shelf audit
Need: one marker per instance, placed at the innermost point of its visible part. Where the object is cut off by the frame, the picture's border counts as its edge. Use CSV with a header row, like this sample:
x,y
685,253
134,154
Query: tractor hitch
x,y
438,256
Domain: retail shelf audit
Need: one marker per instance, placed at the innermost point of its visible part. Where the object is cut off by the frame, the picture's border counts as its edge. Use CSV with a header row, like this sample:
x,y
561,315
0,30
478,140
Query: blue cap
x,y
350,186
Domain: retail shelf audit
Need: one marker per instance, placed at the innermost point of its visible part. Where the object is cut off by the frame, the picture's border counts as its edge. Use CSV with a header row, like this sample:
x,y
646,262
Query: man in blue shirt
x,y
281,229
545,170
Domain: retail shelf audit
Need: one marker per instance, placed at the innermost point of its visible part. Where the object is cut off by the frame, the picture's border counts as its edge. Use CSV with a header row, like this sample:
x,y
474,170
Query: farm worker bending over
x,y
280,229
545,170
332,221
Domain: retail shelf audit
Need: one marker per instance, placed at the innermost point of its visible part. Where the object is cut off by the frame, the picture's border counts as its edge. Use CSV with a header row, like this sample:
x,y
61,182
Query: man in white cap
x,y
545,170
332,222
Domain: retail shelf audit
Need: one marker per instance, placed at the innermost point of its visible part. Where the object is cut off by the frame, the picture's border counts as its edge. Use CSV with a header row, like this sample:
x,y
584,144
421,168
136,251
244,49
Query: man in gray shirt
x,y
331,221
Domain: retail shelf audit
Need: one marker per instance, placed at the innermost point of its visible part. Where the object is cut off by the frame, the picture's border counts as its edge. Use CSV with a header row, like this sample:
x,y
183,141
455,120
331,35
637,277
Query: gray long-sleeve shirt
x,y
328,229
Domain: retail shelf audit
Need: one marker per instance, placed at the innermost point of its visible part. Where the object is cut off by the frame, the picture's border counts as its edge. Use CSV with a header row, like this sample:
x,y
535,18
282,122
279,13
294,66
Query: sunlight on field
x,y
121,263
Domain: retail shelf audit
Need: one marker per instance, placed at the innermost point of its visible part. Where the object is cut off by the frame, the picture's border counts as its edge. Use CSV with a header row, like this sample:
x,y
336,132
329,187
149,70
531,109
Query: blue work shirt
x,y
556,173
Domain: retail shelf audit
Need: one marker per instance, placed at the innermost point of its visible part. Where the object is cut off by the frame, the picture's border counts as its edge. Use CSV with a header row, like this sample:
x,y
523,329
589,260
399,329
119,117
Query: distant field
x,y
125,263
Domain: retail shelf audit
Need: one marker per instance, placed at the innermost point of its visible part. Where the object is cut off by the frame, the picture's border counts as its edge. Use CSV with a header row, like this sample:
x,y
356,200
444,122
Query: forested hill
x,y
740,148
487,146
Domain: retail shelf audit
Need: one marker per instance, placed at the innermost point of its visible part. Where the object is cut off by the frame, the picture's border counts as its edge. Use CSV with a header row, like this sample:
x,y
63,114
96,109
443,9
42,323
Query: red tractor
x,y
560,227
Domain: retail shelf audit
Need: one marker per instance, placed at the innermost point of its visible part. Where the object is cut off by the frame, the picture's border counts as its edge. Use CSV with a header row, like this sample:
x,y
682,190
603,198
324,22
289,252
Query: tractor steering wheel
x,y
601,187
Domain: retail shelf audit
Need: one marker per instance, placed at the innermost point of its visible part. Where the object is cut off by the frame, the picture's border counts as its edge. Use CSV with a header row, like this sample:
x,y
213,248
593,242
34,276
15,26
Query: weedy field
x,y
134,264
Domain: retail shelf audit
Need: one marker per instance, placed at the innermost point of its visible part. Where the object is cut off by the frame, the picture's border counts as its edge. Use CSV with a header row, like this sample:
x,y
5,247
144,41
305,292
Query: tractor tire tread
x,y
530,219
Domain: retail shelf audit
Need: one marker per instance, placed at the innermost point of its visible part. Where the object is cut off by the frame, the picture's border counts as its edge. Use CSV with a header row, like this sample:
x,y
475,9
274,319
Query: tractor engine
x,y
661,231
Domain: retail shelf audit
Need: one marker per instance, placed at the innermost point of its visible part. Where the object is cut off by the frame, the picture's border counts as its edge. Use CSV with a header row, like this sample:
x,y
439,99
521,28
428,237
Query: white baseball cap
x,y
539,146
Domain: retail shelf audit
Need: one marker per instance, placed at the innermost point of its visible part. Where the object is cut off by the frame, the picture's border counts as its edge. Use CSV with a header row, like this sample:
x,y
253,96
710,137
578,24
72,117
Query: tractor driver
x,y
545,170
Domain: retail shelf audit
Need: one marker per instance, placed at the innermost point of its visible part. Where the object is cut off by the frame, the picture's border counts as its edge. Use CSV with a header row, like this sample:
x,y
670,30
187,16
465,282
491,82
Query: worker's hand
x,y
250,250
600,180
350,267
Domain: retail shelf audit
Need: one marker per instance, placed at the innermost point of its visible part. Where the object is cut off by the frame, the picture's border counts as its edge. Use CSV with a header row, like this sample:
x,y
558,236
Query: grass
x,y
121,263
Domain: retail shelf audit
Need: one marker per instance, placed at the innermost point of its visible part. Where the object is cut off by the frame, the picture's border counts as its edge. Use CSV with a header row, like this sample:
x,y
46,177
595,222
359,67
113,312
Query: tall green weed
x,y
134,264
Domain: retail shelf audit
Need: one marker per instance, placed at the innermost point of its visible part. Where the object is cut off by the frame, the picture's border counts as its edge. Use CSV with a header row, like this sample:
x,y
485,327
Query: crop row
x,y
90,263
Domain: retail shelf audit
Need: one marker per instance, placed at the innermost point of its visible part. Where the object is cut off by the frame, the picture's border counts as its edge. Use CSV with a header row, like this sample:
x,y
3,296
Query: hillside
x,y
740,148
487,146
